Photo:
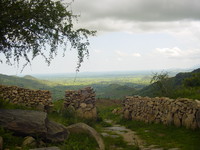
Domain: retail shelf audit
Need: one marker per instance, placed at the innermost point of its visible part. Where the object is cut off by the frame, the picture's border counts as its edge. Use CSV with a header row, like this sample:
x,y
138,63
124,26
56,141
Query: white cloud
x,y
121,54
178,53
138,10
136,54
126,54
97,51
171,52
179,18
119,59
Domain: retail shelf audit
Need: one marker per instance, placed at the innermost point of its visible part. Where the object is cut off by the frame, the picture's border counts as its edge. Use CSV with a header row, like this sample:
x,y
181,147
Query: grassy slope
x,y
176,86
165,136
33,83
108,88
113,91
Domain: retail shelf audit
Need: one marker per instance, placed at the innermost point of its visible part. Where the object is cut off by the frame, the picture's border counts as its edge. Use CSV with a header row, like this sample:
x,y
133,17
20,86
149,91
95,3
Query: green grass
x,y
76,141
106,106
79,141
10,141
165,136
4,104
154,134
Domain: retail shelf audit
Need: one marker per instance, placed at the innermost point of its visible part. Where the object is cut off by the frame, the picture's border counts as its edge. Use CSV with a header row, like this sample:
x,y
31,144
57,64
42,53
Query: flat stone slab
x,y
109,135
116,128
32,123
47,148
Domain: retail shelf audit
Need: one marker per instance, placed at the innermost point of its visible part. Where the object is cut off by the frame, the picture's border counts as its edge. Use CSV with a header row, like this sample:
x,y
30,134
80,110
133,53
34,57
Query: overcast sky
x,y
132,35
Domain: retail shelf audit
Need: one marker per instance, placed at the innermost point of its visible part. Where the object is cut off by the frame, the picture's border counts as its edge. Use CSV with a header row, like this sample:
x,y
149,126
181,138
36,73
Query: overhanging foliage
x,y
30,26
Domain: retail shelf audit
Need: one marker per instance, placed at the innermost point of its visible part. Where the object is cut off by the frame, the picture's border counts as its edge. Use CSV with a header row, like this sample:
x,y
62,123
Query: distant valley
x,y
106,86
110,85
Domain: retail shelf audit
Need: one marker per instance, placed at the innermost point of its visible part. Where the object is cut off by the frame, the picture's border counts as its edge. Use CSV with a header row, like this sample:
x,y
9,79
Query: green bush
x,y
194,81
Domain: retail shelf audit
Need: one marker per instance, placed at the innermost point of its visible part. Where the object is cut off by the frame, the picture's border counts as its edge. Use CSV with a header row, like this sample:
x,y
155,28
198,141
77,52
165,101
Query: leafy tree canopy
x,y
159,77
161,81
28,27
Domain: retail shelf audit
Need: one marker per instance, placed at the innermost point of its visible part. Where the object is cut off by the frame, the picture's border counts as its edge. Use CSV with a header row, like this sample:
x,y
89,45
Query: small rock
x,y
114,111
114,136
29,141
177,121
83,105
153,146
169,118
71,109
42,144
126,114
105,134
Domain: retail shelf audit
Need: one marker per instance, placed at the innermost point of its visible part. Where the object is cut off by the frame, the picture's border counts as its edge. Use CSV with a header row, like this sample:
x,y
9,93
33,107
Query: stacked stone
x,y
82,102
180,112
39,99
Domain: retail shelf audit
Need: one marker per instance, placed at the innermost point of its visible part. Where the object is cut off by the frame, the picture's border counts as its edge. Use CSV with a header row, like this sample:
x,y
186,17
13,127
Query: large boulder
x,y
26,122
56,132
84,128
34,123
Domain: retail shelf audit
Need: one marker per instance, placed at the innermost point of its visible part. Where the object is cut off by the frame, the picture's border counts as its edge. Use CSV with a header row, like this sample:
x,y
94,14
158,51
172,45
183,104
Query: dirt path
x,y
129,136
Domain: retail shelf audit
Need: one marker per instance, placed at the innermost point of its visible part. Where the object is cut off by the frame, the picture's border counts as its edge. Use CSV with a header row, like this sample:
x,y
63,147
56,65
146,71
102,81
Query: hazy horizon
x,y
172,72
110,72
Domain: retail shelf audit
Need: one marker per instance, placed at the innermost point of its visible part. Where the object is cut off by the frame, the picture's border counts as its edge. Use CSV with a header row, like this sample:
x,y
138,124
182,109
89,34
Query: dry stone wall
x,y
180,112
39,99
82,102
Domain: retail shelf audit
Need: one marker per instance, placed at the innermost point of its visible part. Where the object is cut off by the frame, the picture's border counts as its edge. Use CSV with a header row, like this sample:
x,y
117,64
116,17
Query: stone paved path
x,y
129,136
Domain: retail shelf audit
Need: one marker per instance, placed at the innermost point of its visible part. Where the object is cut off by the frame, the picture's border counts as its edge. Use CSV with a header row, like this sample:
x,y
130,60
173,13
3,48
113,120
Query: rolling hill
x,y
182,85
109,90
